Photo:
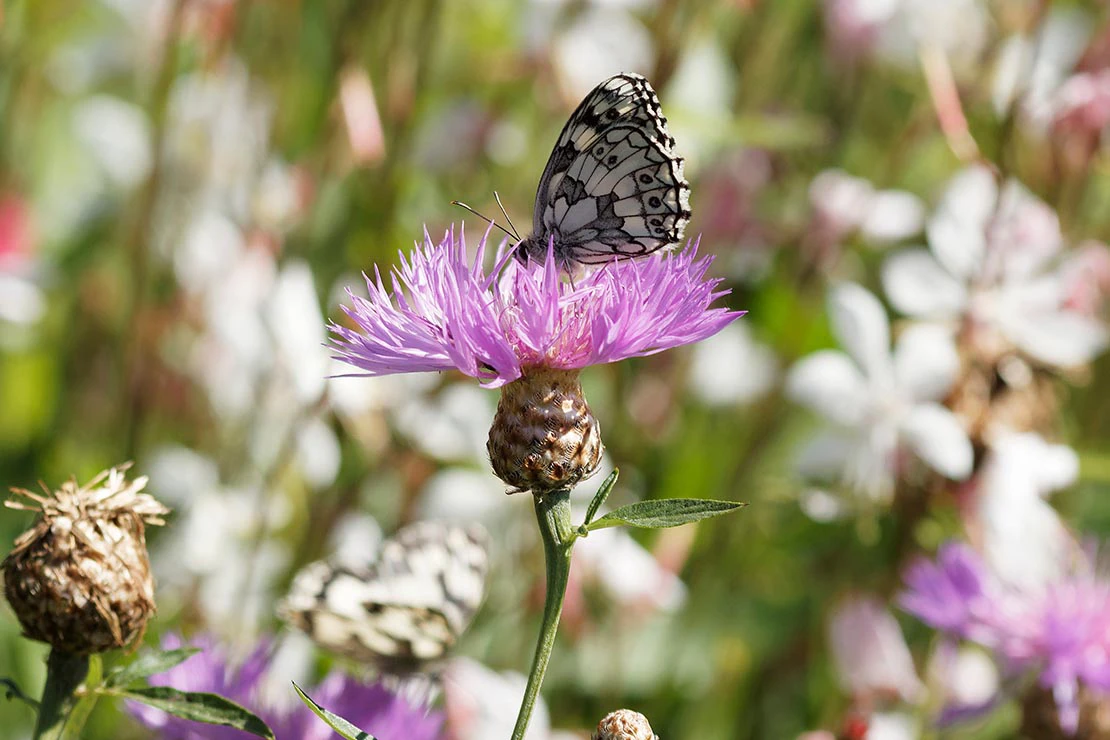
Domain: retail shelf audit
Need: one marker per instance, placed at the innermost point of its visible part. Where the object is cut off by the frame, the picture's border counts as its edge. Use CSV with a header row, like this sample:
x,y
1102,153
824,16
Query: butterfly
x,y
613,186
403,611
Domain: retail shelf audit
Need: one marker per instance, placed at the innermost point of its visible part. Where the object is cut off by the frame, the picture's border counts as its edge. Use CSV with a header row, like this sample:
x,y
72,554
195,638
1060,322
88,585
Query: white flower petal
x,y
731,367
1058,338
936,435
917,285
926,361
829,383
893,215
957,230
859,321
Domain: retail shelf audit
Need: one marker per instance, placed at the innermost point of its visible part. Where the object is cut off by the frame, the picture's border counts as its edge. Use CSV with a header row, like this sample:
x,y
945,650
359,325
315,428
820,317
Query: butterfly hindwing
x,y
402,611
613,186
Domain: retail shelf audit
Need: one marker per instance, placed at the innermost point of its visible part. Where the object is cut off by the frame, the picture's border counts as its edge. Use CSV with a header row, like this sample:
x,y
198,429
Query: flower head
x,y
441,311
80,579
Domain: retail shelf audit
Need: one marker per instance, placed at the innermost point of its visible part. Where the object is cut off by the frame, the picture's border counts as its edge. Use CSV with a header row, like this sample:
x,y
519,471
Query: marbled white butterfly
x,y
403,611
613,186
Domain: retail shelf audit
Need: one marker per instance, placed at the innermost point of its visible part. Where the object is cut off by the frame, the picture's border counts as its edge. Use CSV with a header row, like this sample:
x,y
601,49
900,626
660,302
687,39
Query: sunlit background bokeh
x,y
188,186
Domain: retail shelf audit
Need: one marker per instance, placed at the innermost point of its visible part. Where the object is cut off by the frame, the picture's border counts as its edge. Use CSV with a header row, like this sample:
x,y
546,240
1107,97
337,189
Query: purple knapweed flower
x,y
441,310
949,594
1060,632
373,708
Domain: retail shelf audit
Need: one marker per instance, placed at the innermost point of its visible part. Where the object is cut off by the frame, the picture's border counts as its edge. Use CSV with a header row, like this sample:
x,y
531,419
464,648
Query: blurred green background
x,y
168,167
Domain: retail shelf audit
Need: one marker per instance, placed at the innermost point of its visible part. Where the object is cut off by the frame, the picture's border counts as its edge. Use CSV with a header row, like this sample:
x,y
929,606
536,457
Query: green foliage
x,y
337,723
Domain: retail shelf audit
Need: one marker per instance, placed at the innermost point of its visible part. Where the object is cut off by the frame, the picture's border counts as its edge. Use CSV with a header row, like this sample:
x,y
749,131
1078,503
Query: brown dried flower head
x,y
624,724
544,436
79,579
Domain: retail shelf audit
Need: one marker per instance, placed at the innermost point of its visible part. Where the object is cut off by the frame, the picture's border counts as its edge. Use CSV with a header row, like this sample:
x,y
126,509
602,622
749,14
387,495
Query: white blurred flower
x,y
990,264
318,453
731,367
895,30
1023,539
1031,68
210,550
217,135
464,494
117,136
892,726
627,572
879,404
296,324
451,425
960,29
870,653
966,676
481,703
600,42
843,204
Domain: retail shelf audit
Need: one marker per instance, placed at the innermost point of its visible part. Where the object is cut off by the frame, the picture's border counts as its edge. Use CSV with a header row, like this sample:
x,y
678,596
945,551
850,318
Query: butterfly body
x,y
403,611
613,186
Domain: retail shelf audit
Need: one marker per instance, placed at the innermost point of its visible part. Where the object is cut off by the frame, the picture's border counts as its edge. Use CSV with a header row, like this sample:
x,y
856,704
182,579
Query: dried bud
x,y
79,579
544,436
624,724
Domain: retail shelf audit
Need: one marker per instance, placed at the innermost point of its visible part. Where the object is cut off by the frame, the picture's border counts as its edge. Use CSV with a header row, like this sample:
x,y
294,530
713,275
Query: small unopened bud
x,y
624,724
544,436
79,579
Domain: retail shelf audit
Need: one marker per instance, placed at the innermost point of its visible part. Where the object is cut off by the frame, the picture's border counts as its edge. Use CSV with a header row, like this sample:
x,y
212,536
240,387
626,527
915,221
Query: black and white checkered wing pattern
x,y
613,186
403,611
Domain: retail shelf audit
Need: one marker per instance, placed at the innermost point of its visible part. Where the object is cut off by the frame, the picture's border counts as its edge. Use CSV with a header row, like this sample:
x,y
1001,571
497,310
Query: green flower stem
x,y
553,516
63,711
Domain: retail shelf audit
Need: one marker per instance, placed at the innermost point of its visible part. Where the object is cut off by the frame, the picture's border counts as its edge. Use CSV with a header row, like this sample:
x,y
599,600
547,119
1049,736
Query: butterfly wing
x,y
613,185
406,609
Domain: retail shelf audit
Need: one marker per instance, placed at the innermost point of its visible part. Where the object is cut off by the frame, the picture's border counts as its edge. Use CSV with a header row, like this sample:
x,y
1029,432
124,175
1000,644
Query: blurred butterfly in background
x,y
613,186
404,611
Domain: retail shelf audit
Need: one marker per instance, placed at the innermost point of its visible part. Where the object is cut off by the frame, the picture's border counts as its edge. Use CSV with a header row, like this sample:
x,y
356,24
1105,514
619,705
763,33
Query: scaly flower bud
x,y
79,579
624,724
544,436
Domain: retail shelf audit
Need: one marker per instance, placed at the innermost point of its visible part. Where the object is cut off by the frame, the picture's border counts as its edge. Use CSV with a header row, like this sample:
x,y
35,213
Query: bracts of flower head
x,y
624,724
79,578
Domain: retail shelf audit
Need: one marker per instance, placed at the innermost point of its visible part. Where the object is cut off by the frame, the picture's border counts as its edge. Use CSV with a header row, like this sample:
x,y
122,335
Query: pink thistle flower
x,y
441,311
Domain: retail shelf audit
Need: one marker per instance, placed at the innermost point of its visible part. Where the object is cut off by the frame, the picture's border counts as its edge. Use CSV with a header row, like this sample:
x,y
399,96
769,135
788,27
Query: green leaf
x,y
668,512
599,498
148,664
334,721
199,707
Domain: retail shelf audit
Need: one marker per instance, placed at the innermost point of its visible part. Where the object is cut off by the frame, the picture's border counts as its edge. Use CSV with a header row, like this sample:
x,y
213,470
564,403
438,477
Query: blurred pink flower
x,y
878,404
16,234
443,311
360,113
995,266
1082,104
870,654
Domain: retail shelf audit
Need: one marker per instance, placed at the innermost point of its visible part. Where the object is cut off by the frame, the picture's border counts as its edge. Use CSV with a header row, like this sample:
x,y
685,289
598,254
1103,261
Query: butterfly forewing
x,y
402,611
613,186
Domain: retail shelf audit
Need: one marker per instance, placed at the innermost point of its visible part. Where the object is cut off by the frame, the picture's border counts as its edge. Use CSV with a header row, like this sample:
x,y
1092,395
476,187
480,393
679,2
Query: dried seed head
x,y
624,724
79,579
544,436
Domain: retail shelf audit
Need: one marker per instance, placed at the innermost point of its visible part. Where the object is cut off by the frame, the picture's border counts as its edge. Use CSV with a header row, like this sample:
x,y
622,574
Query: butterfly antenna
x,y
488,220
505,213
